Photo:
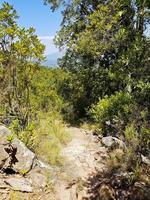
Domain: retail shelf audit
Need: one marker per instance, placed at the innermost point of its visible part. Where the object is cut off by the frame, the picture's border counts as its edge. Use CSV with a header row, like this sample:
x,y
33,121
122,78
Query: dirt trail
x,y
83,157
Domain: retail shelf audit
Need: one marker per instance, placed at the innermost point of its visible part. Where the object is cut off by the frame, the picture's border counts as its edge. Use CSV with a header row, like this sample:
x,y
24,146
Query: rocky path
x,y
82,175
83,157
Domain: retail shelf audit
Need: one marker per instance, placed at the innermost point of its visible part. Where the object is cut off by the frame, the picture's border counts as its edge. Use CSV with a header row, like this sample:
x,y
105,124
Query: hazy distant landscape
x,y
51,59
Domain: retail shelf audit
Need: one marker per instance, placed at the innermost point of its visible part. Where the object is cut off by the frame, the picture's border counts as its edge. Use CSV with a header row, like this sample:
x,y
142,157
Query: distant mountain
x,y
51,59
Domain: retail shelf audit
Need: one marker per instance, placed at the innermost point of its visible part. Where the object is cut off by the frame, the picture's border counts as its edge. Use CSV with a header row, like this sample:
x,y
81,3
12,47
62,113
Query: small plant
x,y
80,185
10,138
27,135
14,127
131,136
137,171
23,172
116,160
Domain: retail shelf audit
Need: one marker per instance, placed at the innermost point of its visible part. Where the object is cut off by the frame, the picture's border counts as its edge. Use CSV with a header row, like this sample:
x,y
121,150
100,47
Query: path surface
x,y
83,157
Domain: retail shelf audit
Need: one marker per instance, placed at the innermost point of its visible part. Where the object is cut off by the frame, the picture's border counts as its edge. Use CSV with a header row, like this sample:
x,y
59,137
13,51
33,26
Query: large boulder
x,y
20,170
14,154
24,156
4,143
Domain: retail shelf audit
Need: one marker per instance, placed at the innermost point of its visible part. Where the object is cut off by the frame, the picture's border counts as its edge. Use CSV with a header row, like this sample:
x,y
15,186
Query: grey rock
x,y
3,184
145,160
4,147
14,154
37,179
113,142
4,133
3,156
24,156
40,164
19,184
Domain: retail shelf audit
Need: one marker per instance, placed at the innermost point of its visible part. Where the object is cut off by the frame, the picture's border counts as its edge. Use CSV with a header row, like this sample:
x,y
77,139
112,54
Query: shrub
x,y
131,136
129,160
112,112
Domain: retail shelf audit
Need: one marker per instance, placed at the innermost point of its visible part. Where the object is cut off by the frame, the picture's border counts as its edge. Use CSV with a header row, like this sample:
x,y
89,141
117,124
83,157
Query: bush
x,y
131,136
112,113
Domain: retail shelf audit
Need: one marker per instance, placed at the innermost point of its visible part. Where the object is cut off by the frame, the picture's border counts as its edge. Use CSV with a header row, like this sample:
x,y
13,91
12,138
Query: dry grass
x,y
49,138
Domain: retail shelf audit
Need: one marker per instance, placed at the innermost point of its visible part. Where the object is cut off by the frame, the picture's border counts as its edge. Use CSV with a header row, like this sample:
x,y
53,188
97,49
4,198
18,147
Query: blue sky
x,y
34,13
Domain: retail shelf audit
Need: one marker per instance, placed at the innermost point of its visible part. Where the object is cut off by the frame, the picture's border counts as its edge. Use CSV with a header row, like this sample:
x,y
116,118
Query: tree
x,y
101,39
20,55
107,55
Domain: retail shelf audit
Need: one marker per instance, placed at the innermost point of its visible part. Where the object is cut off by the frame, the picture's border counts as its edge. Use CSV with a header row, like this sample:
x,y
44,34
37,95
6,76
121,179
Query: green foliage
x,y
30,95
109,107
26,135
106,49
23,172
45,89
112,110
104,75
131,136
128,160
14,127
19,47
47,137
10,138
107,57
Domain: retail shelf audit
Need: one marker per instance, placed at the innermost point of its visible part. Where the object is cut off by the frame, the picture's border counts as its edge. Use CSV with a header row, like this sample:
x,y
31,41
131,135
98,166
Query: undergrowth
x,y
45,137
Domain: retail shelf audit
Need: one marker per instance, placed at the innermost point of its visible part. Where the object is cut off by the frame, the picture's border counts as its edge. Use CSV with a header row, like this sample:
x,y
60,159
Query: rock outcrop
x,y
19,167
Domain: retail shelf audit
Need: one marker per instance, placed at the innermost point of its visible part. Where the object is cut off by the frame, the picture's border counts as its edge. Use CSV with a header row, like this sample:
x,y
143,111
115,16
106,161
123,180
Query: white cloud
x,y
46,37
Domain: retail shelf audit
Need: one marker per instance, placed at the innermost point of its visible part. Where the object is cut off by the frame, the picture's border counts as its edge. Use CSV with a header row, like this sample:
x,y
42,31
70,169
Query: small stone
x,y
145,160
112,142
